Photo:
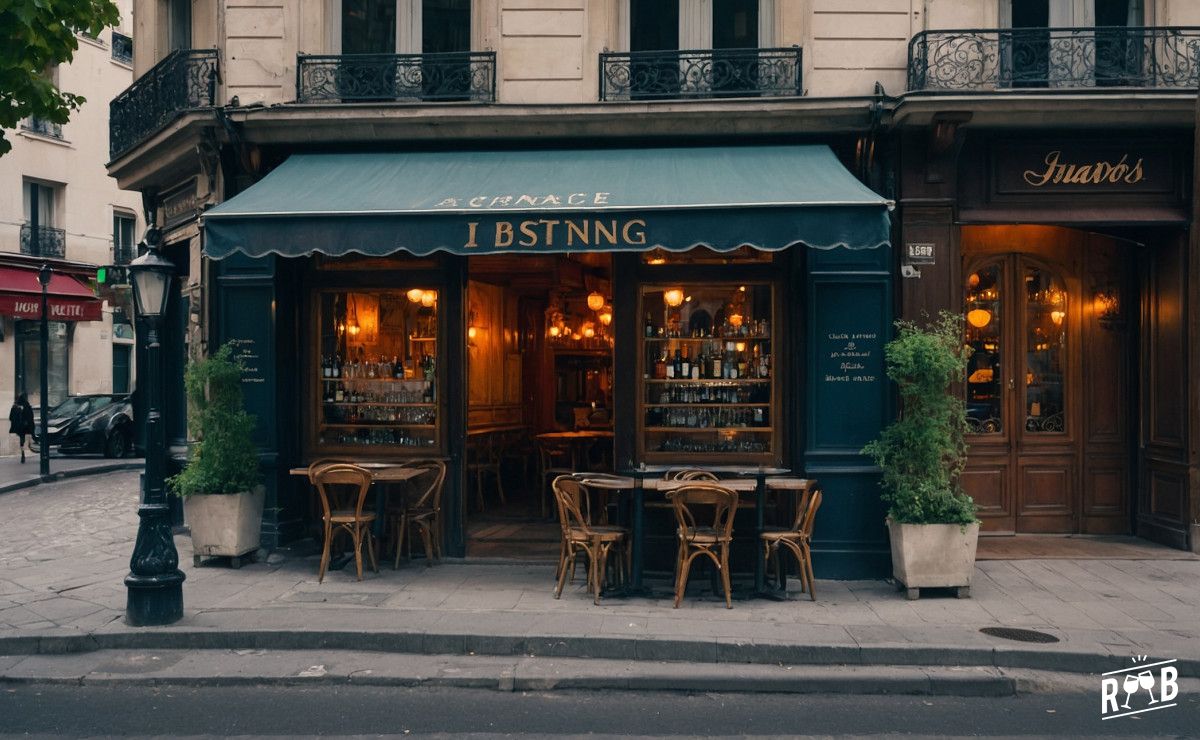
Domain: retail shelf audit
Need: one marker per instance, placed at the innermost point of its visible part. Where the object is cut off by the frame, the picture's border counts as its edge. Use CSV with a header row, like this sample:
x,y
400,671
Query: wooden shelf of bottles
x,y
707,394
383,402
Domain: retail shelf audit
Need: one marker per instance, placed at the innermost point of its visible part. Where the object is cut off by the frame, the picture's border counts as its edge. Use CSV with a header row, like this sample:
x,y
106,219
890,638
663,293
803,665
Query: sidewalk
x,y
64,550
15,475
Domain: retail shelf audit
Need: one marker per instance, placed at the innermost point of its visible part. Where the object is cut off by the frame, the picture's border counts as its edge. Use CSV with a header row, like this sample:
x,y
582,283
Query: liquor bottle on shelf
x,y
337,366
649,330
660,366
685,365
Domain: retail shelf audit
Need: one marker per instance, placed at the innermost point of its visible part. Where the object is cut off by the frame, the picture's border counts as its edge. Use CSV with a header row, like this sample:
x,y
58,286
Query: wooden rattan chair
x,y
797,539
597,542
703,535
555,458
343,488
690,474
425,513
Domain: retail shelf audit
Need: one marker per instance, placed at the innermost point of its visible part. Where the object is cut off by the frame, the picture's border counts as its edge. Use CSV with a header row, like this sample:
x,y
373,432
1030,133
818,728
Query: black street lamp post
x,y
44,276
154,583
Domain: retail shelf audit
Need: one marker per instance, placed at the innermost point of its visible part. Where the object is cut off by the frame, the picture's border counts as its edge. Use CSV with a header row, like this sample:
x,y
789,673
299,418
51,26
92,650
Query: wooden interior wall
x,y
493,358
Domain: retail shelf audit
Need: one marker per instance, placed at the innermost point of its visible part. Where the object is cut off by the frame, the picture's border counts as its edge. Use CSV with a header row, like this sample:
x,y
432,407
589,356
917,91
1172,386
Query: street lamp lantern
x,y
154,583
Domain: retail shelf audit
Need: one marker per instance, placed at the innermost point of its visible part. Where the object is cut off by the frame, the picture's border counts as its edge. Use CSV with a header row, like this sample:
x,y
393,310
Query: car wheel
x,y
116,444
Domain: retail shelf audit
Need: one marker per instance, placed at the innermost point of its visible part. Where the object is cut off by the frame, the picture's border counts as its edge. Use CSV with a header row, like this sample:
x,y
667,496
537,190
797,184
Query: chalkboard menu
x,y
248,325
849,385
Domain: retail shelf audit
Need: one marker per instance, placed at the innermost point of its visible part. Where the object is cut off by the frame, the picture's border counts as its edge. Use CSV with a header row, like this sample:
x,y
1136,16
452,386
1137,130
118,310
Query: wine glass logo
x,y
1146,681
1130,686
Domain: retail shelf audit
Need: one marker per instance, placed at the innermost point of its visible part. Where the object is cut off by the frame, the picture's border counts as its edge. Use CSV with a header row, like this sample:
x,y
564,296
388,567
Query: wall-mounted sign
x,y
179,205
1082,167
919,253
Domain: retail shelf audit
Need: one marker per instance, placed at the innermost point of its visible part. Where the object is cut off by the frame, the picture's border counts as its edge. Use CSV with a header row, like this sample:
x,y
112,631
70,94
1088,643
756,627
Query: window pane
x,y
985,380
1045,351
735,24
368,26
378,368
445,26
653,25
120,369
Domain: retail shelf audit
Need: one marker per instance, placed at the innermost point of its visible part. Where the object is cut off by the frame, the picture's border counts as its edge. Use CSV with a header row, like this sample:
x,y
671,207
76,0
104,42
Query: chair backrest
x,y
721,503
429,483
690,474
340,486
809,517
556,453
571,500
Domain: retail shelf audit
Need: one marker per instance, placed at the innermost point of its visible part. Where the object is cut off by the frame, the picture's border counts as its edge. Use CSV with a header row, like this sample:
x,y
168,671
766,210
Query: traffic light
x,y
110,275
102,276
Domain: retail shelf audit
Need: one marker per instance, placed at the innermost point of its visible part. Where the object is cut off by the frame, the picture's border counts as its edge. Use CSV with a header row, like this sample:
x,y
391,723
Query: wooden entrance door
x,y
1047,387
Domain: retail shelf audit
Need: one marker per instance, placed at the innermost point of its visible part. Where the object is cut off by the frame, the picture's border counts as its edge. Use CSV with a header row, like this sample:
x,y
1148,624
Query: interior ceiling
x,y
534,273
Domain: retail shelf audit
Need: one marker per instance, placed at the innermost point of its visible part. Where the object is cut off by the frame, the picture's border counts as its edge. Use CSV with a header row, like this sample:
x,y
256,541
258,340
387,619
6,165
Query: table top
x,y
658,484
581,434
754,470
387,472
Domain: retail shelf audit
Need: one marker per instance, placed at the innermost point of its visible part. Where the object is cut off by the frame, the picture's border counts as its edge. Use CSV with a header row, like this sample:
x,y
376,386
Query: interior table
x,y
577,439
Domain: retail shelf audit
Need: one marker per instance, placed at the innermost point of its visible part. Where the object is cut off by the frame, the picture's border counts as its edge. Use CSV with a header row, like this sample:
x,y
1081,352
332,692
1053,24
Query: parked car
x,y
93,423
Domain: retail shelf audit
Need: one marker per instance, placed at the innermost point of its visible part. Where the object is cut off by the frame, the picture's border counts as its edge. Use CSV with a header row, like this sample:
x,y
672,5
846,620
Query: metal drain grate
x,y
1020,635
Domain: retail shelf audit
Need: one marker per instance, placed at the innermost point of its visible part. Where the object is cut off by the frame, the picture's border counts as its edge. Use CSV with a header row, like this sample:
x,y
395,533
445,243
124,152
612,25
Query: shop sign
x,y
30,307
582,233
180,205
919,253
1078,168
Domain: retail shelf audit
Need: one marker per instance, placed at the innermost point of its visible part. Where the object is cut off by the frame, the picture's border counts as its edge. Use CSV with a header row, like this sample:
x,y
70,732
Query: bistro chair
x,y
698,534
483,458
425,513
343,488
597,542
556,457
797,539
690,474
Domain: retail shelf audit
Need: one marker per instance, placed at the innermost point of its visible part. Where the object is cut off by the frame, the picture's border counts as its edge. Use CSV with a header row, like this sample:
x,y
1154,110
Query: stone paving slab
x,y
64,550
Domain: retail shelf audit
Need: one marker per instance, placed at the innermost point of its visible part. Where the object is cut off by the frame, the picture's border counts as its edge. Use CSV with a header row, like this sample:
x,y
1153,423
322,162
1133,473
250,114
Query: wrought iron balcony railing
x,y
123,254
373,78
701,73
43,127
122,48
184,80
50,242
1054,58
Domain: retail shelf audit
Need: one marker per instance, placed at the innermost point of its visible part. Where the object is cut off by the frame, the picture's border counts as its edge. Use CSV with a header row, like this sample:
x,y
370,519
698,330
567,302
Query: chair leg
x,y
372,546
401,525
325,553
356,538
479,488
681,581
500,485
725,575
427,538
601,568
812,581
562,572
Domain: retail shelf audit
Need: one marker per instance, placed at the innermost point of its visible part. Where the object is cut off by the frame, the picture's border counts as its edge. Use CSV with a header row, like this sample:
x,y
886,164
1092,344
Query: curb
x,y
726,651
100,469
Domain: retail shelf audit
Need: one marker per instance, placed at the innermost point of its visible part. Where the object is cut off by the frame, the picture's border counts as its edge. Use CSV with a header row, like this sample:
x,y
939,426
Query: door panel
x,y
1048,388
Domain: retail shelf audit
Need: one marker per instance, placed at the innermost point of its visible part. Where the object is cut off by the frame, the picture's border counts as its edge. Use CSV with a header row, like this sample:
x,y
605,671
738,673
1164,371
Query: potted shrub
x,y
222,498
931,520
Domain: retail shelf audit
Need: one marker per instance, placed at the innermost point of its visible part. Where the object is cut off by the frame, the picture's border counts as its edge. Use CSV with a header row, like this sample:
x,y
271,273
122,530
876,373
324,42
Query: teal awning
x,y
551,200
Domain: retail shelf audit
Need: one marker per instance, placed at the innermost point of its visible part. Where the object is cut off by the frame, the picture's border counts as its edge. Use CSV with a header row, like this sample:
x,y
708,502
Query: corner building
x,y
444,228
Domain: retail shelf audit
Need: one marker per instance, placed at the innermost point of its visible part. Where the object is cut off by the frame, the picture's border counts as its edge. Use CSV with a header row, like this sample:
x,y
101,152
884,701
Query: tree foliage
x,y
223,459
34,36
923,452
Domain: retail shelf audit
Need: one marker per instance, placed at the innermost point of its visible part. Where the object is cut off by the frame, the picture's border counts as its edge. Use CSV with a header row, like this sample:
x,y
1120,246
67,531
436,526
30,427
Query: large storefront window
x,y
377,373
29,361
708,370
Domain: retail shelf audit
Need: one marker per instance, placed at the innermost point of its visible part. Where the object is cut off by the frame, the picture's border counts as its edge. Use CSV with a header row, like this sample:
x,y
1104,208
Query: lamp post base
x,y
155,583
154,600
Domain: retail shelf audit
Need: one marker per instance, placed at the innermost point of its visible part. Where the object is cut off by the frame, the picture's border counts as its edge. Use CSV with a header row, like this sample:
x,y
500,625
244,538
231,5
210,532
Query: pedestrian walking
x,y
20,422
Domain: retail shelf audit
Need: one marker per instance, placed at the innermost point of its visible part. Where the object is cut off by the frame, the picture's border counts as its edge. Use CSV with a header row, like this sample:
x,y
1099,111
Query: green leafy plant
x,y
34,36
223,459
923,452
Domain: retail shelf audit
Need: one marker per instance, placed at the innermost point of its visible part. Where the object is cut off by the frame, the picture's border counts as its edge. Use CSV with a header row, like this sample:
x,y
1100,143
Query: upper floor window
x,y
123,247
179,24
404,26
1071,13
665,25
122,48
41,199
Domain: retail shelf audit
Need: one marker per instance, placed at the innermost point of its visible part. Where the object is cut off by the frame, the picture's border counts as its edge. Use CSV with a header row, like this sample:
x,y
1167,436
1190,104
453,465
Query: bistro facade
x,y
1068,252
696,305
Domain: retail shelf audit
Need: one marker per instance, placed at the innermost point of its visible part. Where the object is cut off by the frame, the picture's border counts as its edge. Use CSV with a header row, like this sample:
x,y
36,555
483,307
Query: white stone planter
x,y
226,525
933,556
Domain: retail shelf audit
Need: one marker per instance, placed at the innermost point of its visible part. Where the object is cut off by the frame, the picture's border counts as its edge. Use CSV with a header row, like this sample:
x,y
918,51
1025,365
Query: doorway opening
x,y
1051,385
539,393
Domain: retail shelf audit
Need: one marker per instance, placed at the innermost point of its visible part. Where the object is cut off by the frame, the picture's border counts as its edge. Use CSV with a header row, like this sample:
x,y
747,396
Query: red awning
x,y
68,299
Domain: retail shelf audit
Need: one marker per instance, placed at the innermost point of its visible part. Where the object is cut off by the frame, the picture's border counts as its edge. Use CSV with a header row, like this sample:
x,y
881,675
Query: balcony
x,y
123,254
1054,59
122,48
397,78
184,80
42,127
50,242
703,73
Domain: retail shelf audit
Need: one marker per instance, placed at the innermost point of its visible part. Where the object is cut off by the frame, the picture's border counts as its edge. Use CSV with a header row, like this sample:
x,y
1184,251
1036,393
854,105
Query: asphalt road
x,y
351,710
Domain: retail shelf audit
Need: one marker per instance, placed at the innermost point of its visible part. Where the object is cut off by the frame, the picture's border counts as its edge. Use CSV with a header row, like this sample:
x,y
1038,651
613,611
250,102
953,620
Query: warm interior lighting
x,y
1107,304
979,317
673,297
415,294
973,280
428,298
595,301
555,331
472,332
657,257
589,330
1057,316
740,346
735,320
605,315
